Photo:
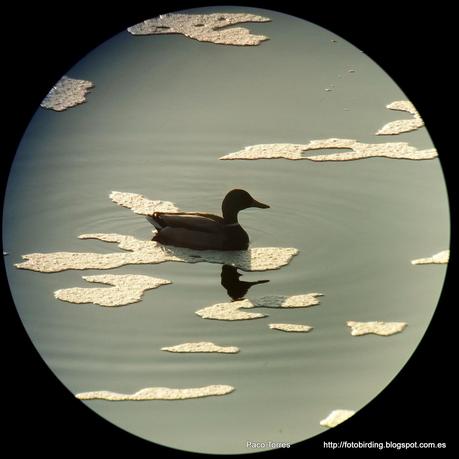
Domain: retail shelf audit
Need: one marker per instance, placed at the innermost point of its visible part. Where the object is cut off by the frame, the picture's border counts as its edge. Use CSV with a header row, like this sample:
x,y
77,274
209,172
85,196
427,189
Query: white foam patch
x,y
400,126
158,393
376,328
213,28
127,289
67,93
393,150
295,328
438,258
203,346
281,301
139,204
336,417
233,310
151,252
230,311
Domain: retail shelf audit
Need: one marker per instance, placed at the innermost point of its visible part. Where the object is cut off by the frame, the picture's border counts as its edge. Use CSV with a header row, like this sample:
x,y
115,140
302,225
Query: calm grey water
x,y
163,110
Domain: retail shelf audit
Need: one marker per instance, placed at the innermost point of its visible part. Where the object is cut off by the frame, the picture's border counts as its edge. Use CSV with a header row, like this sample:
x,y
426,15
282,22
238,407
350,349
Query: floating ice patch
x,y
377,328
126,289
336,417
67,93
394,150
151,252
400,126
139,204
438,258
202,347
280,301
297,328
158,393
232,311
213,28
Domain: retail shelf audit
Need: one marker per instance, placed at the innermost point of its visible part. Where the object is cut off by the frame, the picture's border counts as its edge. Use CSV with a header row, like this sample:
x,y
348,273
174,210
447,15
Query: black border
x,y
414,45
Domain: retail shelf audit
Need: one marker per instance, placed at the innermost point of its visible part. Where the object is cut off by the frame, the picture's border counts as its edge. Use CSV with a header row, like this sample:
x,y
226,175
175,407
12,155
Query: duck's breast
x,y
236,238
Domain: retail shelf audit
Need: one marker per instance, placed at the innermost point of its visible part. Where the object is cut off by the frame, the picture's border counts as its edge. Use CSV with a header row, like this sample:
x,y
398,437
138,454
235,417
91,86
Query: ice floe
x,y
295,328
203,346
67,92
126,289
139,204
282,301
359,150
376,328
230,311
213,28
234,310
158,393
151,252
438,258
336,417
400,126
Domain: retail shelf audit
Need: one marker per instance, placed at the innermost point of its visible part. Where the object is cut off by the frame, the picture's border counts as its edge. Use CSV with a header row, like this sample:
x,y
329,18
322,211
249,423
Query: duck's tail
x,y
155,220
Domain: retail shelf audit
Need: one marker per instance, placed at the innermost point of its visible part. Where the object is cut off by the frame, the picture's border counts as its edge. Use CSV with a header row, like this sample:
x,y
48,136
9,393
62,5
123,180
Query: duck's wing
x,y
199,222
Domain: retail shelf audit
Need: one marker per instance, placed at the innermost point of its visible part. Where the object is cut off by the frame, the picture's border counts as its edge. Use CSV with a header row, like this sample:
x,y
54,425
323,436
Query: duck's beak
x,y
259,204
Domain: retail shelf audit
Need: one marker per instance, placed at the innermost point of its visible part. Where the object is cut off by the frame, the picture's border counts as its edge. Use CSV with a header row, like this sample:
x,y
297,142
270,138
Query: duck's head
x,y
237,200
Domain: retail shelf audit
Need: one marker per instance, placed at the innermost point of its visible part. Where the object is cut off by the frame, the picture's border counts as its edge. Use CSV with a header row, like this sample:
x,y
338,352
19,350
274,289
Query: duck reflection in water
x,y
236,288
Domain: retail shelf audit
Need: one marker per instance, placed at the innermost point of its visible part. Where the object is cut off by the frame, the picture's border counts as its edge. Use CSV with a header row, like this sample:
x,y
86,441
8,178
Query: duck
x,y
204,231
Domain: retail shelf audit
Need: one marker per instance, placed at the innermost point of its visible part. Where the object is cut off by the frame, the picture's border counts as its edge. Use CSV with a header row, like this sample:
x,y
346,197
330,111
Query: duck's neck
x,y
230,216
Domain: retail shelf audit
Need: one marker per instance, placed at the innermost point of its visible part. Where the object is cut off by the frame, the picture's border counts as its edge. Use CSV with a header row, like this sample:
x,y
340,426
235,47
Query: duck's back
x,y
195,221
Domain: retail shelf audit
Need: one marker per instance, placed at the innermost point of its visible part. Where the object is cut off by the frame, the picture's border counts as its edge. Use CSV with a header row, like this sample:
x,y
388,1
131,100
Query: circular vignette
x,y
398,388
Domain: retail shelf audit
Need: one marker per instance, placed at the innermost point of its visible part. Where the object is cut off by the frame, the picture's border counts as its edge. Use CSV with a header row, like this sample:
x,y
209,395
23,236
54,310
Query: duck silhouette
x,y
236,288
203,231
